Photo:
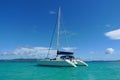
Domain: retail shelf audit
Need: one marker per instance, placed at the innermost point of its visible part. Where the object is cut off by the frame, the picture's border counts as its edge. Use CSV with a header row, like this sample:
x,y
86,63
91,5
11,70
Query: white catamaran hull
x,y
59,63
62,63
81,63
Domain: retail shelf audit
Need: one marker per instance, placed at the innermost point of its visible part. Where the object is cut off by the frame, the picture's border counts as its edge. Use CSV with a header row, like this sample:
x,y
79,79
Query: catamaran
x,y
62,59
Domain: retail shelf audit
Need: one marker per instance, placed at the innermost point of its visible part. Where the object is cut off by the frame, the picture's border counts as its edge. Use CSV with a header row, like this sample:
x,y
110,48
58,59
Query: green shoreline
x,y
34,60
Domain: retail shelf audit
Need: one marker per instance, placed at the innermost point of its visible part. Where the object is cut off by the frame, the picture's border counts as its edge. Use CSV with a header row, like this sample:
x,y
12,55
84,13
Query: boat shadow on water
x,y
52,66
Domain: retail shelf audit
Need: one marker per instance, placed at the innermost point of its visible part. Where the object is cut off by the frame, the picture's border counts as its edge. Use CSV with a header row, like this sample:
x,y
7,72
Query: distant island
x,y
35,60
19,60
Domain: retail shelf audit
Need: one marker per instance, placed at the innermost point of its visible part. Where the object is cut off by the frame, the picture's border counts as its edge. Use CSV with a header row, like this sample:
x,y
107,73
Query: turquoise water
x,y
28,71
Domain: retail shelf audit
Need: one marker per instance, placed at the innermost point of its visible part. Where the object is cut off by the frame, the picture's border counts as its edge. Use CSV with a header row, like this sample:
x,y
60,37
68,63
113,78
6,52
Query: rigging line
x,y
53,33
65,32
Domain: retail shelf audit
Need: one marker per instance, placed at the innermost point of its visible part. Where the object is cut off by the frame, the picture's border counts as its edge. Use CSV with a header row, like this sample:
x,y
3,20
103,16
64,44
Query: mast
x,y
58,29
58,34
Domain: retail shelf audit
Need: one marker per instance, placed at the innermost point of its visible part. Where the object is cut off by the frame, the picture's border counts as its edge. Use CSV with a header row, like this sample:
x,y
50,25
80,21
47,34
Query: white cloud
x,y
115,34
109,51
35,52
71,49
92,52
107,25
4,53
68,33
52,12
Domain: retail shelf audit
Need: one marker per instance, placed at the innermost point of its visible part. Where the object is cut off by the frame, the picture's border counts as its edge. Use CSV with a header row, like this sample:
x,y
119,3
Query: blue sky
x,y
91,26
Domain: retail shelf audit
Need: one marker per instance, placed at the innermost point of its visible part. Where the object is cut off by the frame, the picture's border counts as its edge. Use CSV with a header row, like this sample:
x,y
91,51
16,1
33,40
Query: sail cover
x,y
66,53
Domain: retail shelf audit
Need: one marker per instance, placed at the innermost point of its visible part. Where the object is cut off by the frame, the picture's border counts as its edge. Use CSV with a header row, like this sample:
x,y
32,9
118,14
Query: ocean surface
x,y
29,71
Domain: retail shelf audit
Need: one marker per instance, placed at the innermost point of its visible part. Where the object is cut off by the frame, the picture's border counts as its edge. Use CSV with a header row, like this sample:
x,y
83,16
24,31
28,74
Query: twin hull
x,y
54,63
61,63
